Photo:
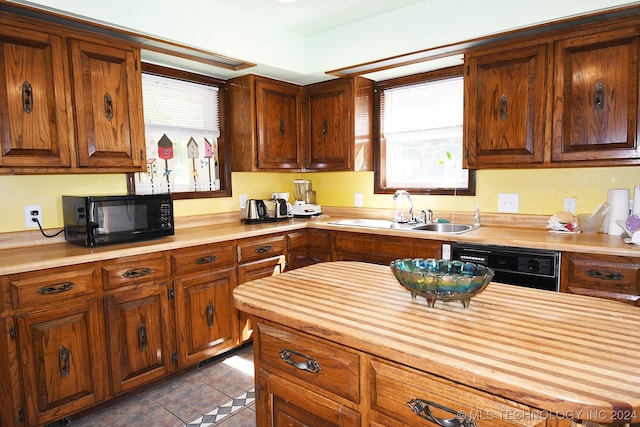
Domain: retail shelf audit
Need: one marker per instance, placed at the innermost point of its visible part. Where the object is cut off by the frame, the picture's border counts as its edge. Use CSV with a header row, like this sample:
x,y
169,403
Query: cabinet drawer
x,y
45,287
203,258
318,362
393,387
132,270
254,249
601,276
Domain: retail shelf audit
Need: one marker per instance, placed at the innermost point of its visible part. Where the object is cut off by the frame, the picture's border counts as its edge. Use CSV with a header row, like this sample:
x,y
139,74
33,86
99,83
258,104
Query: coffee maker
x,y
305,199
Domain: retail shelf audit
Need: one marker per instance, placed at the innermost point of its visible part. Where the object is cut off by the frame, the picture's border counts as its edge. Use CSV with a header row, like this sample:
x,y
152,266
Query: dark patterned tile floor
x,y
219,393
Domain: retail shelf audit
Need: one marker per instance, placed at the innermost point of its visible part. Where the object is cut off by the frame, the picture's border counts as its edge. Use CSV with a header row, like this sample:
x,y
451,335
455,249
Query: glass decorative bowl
x,y
441,279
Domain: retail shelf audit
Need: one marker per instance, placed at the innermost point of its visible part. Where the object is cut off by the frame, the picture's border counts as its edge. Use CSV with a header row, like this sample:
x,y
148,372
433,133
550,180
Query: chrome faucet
x,y
399,216
426,216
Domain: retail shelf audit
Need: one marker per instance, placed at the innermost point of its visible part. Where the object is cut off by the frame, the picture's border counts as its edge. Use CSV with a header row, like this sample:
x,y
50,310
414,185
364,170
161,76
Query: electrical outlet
x,y
570,204
31,213
357,200
508,202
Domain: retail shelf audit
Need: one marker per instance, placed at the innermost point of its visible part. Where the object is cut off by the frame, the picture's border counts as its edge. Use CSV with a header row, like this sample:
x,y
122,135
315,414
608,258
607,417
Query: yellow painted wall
x,y
541,191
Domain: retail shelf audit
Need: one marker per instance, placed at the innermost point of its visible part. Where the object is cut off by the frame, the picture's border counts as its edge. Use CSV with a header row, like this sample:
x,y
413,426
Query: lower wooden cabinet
x,y
604,276
63,361
382,249
139,336
303,380
204,321
308,246
257,258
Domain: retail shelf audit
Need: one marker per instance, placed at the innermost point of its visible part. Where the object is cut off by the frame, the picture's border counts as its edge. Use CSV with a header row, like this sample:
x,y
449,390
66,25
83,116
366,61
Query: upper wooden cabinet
x,y
338,120
107,84
595,116
34,103
564,99
69,101
505,107
265,124
281,126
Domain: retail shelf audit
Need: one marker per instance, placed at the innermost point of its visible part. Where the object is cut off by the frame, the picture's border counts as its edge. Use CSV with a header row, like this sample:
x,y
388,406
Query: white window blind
x,y
421,126
182,125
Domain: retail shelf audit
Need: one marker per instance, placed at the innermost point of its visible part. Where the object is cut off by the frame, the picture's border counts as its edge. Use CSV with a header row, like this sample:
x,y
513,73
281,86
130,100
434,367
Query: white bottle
x,y
476,216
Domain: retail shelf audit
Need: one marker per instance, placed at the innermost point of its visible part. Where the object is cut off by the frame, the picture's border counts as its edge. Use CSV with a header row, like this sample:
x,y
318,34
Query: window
x,y
185,150
419,135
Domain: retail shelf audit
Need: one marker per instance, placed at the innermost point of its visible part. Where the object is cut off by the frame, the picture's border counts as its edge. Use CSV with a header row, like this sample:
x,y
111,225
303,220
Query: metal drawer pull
x,y
108,106
142,337
606,275
63,361
209,313
27,97
310,364
420,407
206,259
56,288
137,272
263,249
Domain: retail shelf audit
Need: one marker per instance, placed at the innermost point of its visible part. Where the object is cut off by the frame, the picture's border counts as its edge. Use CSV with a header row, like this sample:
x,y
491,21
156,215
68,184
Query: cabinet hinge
x,y
257,390
174,357
468,70
21,415
171,294
12,332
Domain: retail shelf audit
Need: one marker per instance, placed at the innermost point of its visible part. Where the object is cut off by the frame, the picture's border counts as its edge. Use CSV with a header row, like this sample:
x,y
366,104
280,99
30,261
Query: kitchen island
x,y
343,343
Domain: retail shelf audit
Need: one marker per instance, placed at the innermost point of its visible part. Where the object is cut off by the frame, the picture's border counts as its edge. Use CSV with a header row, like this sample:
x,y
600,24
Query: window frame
x,y
224,149
379,158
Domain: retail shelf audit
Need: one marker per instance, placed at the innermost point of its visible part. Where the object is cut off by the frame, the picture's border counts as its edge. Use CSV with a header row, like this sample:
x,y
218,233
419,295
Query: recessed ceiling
x,y
306,17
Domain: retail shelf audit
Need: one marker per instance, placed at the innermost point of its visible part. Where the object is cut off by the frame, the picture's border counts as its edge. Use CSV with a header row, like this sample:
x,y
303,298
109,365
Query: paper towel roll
x,y
636,200
618,199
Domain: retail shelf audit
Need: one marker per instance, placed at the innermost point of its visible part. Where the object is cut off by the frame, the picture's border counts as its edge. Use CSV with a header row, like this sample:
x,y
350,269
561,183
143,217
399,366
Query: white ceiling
x,y
301,41
306,17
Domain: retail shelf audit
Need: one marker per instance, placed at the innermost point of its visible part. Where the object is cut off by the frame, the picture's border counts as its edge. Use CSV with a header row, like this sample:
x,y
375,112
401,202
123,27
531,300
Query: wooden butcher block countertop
x,y
566,354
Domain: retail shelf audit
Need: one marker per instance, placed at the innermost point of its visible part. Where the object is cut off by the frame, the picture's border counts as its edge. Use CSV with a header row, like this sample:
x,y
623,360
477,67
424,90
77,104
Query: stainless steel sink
x,y
444,228
373,223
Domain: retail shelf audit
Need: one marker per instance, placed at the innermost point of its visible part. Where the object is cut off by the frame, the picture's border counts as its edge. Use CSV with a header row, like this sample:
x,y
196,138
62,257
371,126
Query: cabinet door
x,y
206,322
138,335
253,271
278,122
329,126
10,392
36,127
306,247
108,103
505,108
595,114
63,365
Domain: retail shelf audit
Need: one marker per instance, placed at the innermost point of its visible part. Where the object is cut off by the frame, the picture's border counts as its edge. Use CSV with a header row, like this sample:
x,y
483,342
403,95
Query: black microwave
x,y
104,220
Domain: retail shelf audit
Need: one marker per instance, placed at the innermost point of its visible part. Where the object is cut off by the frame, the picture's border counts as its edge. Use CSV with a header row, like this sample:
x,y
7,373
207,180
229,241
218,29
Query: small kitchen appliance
x,y
304,205
103,220
258,210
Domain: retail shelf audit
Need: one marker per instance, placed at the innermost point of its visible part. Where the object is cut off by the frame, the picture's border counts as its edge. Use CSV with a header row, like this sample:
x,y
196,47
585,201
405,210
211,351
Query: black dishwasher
x,y
531,268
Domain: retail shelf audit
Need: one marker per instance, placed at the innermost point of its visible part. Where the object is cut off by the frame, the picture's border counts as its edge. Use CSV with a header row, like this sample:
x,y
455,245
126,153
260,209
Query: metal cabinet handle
x,y
309,364
325,128
263,249
137,272
209,312
108,106
598,96
142,337
504,107
282,127
206,259
605,275
63,361
27,97
421,408
56,288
